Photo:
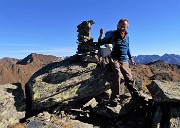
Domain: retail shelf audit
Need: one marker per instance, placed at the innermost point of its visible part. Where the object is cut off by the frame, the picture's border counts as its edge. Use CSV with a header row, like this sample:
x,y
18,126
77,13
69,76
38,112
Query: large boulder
x,y
165,91
68,80
166,96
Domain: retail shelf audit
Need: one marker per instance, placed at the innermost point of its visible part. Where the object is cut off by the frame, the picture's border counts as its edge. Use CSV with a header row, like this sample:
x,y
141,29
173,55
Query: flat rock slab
x,y
165,91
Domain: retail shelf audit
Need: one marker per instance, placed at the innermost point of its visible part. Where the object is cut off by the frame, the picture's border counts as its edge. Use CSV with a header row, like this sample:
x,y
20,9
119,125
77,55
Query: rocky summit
x,y
81,90
71,93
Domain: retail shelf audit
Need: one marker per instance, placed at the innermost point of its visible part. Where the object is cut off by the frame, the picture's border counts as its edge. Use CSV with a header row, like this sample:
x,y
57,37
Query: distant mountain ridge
x,y
167,58
19,71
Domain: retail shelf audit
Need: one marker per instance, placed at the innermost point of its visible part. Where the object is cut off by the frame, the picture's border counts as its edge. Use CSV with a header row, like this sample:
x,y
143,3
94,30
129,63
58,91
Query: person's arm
x,y
100,41
101,34
130,57
132,61
108,39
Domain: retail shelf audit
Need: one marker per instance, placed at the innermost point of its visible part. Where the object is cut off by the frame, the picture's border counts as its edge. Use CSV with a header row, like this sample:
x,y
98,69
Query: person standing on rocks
x,y
119,60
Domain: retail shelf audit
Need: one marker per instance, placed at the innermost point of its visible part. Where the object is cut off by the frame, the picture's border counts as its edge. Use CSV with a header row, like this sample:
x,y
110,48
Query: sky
x,y
49,27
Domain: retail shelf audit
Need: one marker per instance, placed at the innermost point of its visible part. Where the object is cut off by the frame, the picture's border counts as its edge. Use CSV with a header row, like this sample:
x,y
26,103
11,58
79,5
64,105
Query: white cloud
x,y
18,44
52,51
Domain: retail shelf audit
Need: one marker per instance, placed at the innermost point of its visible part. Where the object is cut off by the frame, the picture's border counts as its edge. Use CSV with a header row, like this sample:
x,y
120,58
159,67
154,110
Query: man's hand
x,y
101,31
100,42
132,61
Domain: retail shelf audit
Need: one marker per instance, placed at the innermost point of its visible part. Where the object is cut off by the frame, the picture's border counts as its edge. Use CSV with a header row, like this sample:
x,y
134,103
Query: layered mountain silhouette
x,y
168,58
19,71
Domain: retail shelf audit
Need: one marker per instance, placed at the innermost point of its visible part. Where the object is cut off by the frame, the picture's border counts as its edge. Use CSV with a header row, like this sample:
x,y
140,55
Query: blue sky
x,y
50,26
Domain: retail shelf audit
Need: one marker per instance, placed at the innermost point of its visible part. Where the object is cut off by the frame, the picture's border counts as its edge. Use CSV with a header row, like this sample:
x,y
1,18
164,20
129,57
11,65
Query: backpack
x,y
108,37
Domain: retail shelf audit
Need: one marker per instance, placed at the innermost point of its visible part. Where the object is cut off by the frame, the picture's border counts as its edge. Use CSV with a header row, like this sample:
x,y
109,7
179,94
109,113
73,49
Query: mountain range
x,y
167,58
20,70
50,79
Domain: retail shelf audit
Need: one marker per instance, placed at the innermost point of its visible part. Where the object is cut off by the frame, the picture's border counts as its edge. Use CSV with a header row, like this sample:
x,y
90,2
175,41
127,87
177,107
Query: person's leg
x,y
117,75
103,61
107,59
100,56
129,81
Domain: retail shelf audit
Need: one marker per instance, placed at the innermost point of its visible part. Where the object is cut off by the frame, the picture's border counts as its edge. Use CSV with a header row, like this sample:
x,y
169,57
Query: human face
x,y
123,26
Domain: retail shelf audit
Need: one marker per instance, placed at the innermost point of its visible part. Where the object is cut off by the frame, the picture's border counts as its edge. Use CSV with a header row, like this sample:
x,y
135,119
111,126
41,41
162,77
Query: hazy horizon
x,y
74,54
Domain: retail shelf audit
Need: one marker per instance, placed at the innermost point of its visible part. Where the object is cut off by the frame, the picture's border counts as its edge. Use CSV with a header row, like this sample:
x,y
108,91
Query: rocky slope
x,y
19,71
157,70
72,94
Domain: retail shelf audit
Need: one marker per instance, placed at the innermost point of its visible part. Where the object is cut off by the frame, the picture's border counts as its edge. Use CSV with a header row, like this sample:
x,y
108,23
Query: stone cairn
x,y
86,50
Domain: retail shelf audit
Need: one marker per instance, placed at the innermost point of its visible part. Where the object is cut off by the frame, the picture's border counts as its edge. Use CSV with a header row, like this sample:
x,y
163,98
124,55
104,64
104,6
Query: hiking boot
x,y
114,102
138,98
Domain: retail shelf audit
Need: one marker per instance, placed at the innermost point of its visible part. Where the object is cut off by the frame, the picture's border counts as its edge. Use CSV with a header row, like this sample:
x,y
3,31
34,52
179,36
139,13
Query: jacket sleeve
x,y
129,54
128,51
104,41
107,39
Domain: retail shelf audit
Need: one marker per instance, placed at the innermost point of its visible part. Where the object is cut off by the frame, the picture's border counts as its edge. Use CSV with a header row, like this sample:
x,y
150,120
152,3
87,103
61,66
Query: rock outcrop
x,y
96,113
166,97
72,93
74,86
68,80
165,91
12,104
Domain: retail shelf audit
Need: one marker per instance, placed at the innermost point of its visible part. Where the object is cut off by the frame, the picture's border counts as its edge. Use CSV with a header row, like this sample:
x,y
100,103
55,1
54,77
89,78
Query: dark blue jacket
x,y
121,49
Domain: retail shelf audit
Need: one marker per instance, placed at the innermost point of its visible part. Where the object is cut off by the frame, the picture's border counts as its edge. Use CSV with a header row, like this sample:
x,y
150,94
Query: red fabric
x,y
123,34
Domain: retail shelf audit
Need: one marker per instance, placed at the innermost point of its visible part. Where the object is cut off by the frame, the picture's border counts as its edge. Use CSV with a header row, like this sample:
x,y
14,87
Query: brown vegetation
x,y
19,71
157,70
